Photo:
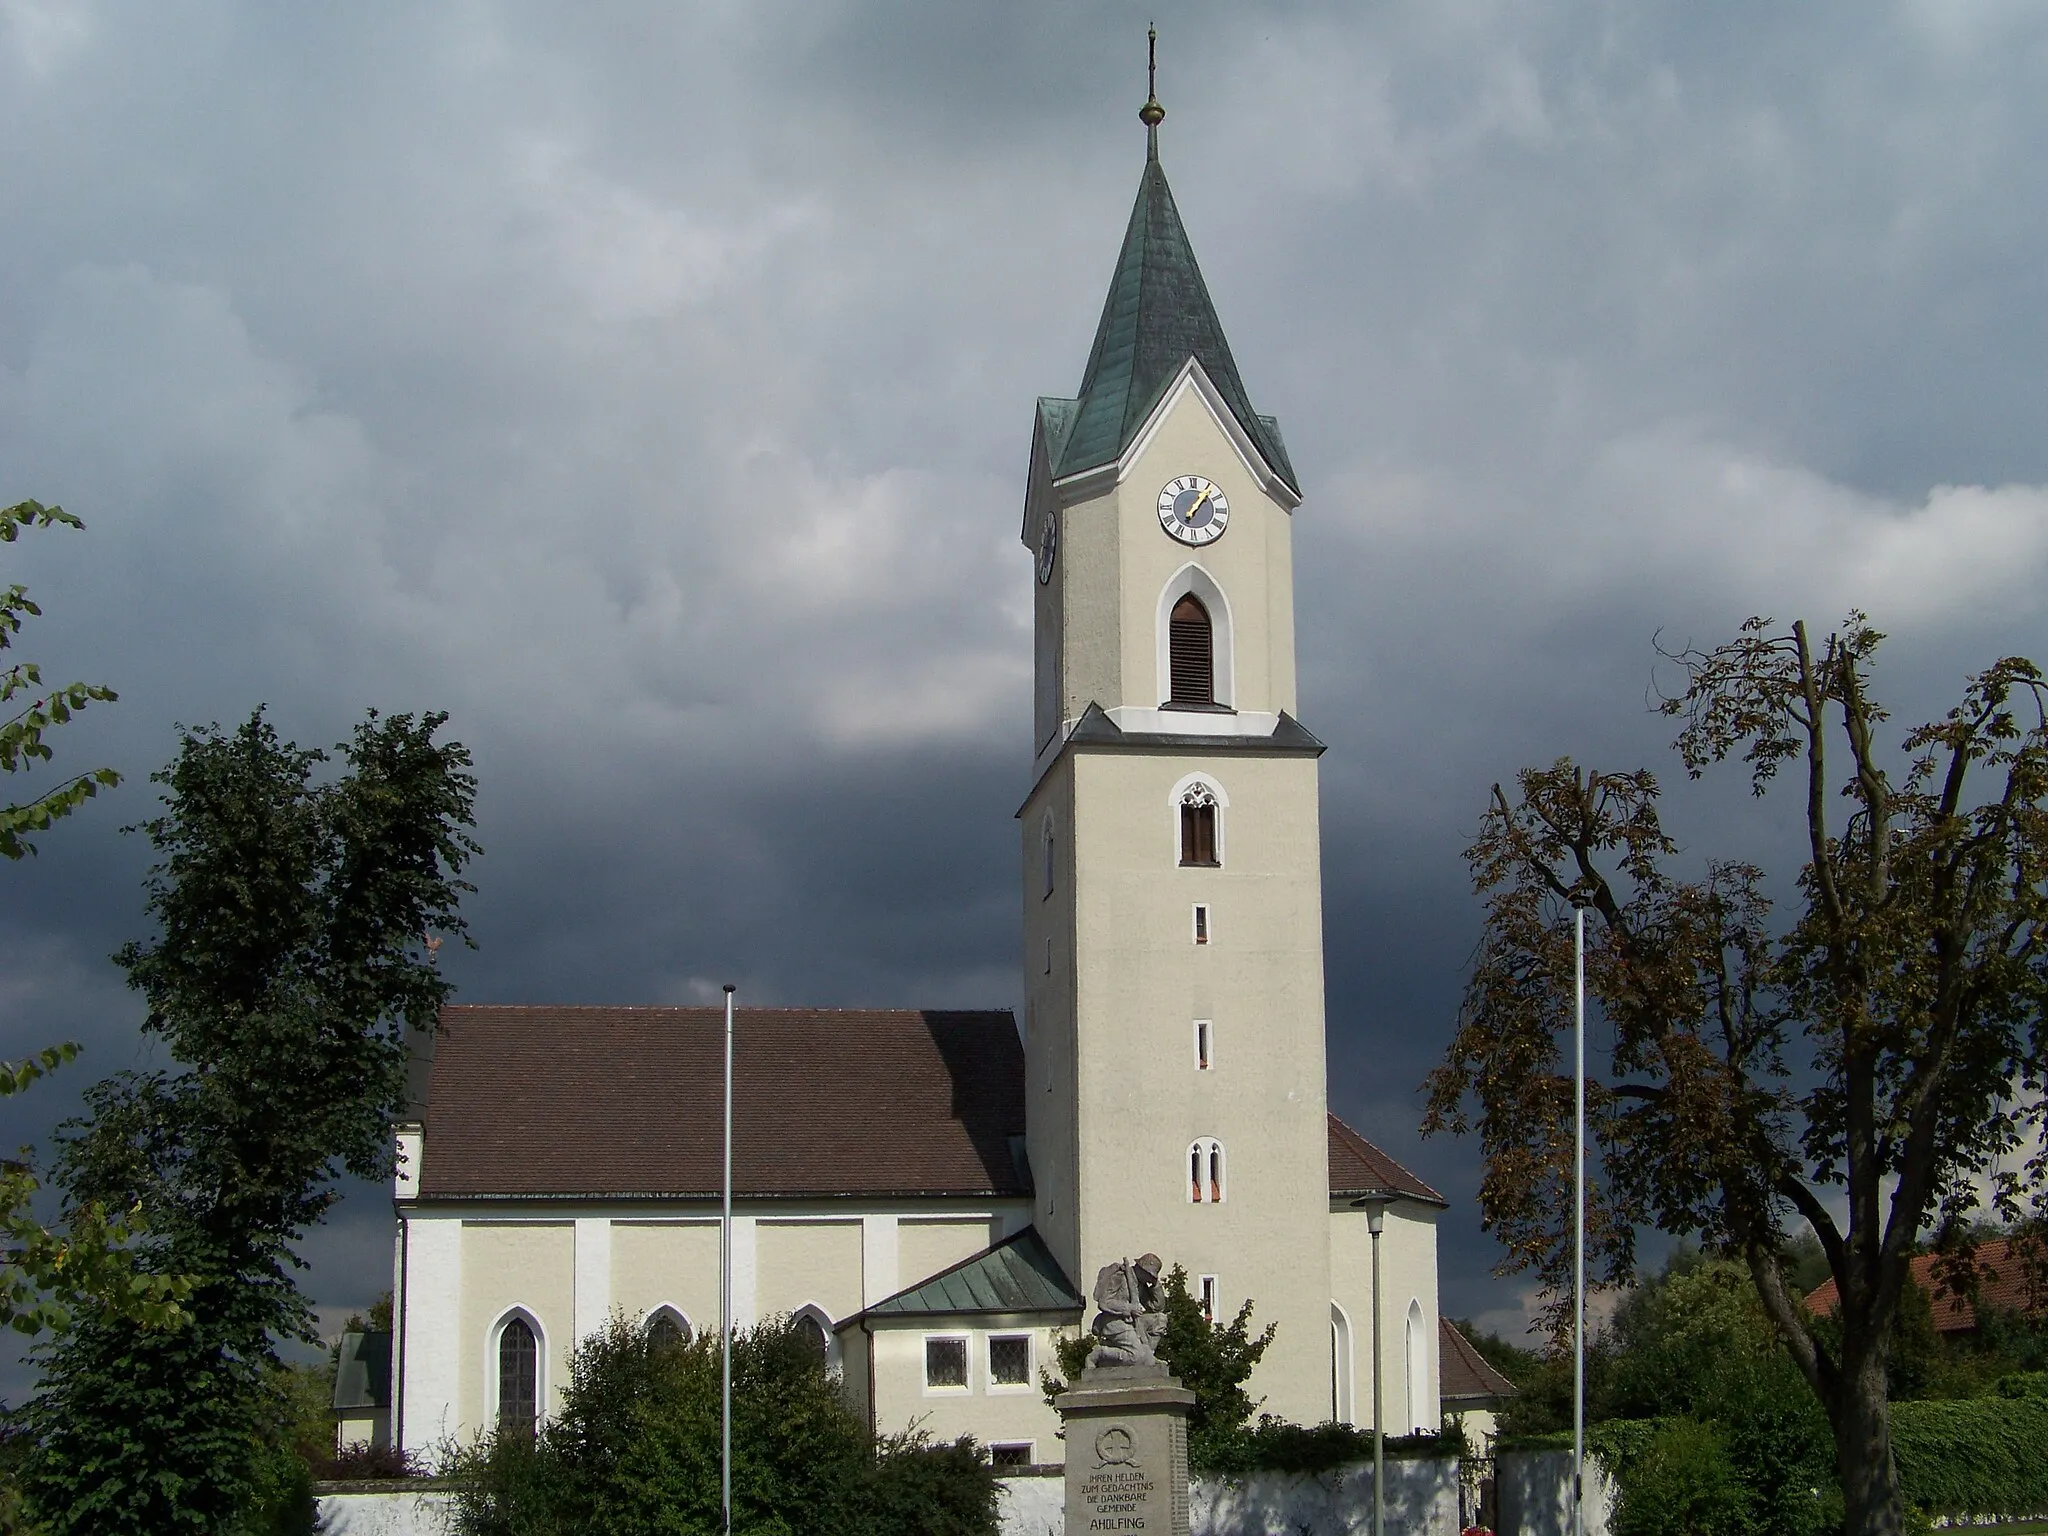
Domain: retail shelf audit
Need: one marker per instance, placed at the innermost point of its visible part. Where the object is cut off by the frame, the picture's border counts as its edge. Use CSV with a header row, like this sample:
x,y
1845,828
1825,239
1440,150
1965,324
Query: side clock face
x,y
1048,547
1193,510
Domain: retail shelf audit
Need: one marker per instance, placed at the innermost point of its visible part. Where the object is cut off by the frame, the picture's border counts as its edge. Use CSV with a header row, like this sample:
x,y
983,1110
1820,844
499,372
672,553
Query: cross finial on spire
x,y
1151,114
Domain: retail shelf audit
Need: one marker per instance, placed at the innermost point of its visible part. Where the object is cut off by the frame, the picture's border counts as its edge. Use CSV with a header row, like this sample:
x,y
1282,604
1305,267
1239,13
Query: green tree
x,y
297,922
1869,1045
635,1449
46,1275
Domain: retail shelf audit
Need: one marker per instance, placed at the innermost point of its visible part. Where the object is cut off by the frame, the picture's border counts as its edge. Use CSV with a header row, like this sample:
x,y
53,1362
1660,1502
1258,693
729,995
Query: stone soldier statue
x,y
1131,1320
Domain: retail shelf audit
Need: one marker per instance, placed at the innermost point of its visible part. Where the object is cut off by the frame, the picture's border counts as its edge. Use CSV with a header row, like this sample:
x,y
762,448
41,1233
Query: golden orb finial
x,y
1151,114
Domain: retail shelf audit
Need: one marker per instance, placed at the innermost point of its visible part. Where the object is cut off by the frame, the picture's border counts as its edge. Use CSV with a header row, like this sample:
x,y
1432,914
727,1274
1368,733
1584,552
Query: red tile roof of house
x,y
1465,1376
569,1102
2002,1285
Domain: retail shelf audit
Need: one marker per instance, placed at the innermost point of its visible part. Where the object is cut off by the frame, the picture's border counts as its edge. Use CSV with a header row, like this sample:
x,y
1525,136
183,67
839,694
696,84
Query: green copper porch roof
x,y
1158,314
1019,1274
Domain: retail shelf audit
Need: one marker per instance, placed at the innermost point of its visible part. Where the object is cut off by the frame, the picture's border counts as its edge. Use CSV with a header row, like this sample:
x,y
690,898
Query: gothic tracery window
x,y
1198,826
1205,1171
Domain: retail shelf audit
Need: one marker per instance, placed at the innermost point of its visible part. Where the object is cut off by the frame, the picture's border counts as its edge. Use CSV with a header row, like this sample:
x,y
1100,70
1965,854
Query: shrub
x,y
635,1449
1685,1483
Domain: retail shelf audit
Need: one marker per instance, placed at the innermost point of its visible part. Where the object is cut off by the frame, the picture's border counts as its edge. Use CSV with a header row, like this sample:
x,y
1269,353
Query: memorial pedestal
x,y
1127,1451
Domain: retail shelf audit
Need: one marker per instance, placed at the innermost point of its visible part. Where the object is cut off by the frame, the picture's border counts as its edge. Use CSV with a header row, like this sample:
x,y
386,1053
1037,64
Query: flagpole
x,y
725,1286
1578,1220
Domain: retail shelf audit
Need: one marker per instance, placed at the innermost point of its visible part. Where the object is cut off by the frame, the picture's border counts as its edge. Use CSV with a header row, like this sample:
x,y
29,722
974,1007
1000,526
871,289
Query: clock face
x,y
1193,510
1048,547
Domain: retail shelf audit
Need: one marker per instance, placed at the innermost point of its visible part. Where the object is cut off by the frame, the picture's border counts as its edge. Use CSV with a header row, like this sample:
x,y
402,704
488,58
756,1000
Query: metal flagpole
x,y
1579,1220
725,1284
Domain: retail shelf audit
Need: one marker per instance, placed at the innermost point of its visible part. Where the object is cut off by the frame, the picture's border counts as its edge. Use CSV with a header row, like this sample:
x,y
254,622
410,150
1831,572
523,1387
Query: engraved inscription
x,y
1118,1493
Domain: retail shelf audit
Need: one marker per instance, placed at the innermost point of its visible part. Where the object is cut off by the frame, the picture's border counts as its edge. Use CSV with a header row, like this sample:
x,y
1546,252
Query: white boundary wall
x,y
1422,1500
1534,1489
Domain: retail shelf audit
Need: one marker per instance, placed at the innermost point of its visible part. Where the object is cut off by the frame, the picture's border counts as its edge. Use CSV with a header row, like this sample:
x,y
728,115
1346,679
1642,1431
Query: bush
x,y
1977,1456
1684,1483
635,1449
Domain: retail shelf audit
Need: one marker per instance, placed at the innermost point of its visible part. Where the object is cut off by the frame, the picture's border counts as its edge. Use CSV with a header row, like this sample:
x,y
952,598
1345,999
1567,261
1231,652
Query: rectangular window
x,y
1009,1360
1048,954
1204,1045
1208,1295
1201,925
1010,1458
945,1362
1198,835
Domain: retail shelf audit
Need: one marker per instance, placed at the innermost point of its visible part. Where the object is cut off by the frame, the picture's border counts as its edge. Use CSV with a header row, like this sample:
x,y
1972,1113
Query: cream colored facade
x,y
465,1273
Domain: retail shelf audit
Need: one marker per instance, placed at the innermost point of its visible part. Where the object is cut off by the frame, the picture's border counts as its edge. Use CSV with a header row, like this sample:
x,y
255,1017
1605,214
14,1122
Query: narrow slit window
x,y
1204,1045
1191,659
1050,850
1195,1173
1198,826
1048,954
1215,1173
1201,933
1208,1294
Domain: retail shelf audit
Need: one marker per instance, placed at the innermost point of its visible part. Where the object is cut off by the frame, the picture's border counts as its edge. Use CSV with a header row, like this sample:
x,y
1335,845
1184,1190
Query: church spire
x,y
1158,315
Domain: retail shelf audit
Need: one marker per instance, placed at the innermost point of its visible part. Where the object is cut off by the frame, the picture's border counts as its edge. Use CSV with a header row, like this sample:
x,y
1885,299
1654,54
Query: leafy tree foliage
x,y
635,1449
297,921
22,732
46,1275
1883,1041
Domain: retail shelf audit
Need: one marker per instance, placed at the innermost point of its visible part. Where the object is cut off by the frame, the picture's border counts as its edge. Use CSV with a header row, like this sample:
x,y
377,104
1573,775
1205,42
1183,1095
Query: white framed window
x,y
1202,928
1205,1292
1420,1414
1009,1361
518,1372
945,1362
1205,1045
1012,1455
1206,1182
814,1326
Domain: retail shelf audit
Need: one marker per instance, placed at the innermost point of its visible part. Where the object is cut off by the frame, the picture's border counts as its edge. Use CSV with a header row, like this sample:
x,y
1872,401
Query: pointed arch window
x,y
518,1378
1205,1171
668,1329
1191,643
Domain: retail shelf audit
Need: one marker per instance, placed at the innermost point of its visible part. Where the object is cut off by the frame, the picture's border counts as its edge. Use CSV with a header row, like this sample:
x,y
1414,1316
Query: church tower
x,y
1172,877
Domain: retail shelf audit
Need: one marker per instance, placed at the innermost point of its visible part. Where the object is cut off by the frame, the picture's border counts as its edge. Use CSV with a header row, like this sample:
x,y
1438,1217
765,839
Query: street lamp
x,y
1374,1203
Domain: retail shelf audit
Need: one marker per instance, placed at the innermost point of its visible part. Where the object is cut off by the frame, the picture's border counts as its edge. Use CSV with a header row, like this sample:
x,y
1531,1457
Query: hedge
x,y
1969,1456
1973,1456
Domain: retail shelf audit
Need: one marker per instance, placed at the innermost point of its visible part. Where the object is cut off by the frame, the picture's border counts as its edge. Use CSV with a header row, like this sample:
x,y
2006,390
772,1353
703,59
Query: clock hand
x,y
1190,517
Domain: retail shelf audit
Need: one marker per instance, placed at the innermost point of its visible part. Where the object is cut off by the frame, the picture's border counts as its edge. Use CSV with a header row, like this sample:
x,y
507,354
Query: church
x,y
930,1194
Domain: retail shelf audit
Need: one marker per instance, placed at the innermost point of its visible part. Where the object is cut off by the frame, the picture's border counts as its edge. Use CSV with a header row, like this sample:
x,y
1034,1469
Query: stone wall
x,y
1422,1500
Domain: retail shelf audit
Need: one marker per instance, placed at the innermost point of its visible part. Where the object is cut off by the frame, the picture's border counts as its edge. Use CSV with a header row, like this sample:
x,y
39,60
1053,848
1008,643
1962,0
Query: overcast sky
x,y
650,387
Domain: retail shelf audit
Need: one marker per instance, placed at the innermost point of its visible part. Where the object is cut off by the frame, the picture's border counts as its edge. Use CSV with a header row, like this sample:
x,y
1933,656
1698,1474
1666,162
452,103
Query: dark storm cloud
x,y
652,391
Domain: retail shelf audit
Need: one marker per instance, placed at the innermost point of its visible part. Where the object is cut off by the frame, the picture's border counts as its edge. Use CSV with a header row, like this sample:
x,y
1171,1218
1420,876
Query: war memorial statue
x,y
1127,1418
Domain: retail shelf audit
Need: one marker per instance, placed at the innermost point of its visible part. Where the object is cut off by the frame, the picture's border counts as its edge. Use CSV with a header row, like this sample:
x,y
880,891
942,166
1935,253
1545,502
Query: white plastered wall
x,y
528,1266
994,1415
1408,1275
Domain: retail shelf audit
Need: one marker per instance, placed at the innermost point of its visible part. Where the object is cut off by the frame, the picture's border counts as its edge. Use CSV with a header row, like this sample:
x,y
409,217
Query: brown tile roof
x,y
1357,1166
1463,1374
577,1101
2002,1285
542,1101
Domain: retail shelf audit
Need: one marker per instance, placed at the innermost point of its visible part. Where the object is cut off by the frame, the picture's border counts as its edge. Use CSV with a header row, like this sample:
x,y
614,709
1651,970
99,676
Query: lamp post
x,y
725,1290
1374,1203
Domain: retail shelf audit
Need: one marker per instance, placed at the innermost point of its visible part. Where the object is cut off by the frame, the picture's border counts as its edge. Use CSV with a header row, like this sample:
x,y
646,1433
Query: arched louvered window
x,y
1198,825
1192,660
518,1378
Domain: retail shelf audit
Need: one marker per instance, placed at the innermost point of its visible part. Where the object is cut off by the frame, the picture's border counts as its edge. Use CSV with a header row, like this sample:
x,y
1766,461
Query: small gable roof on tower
x,y
1157,316
1357,1167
